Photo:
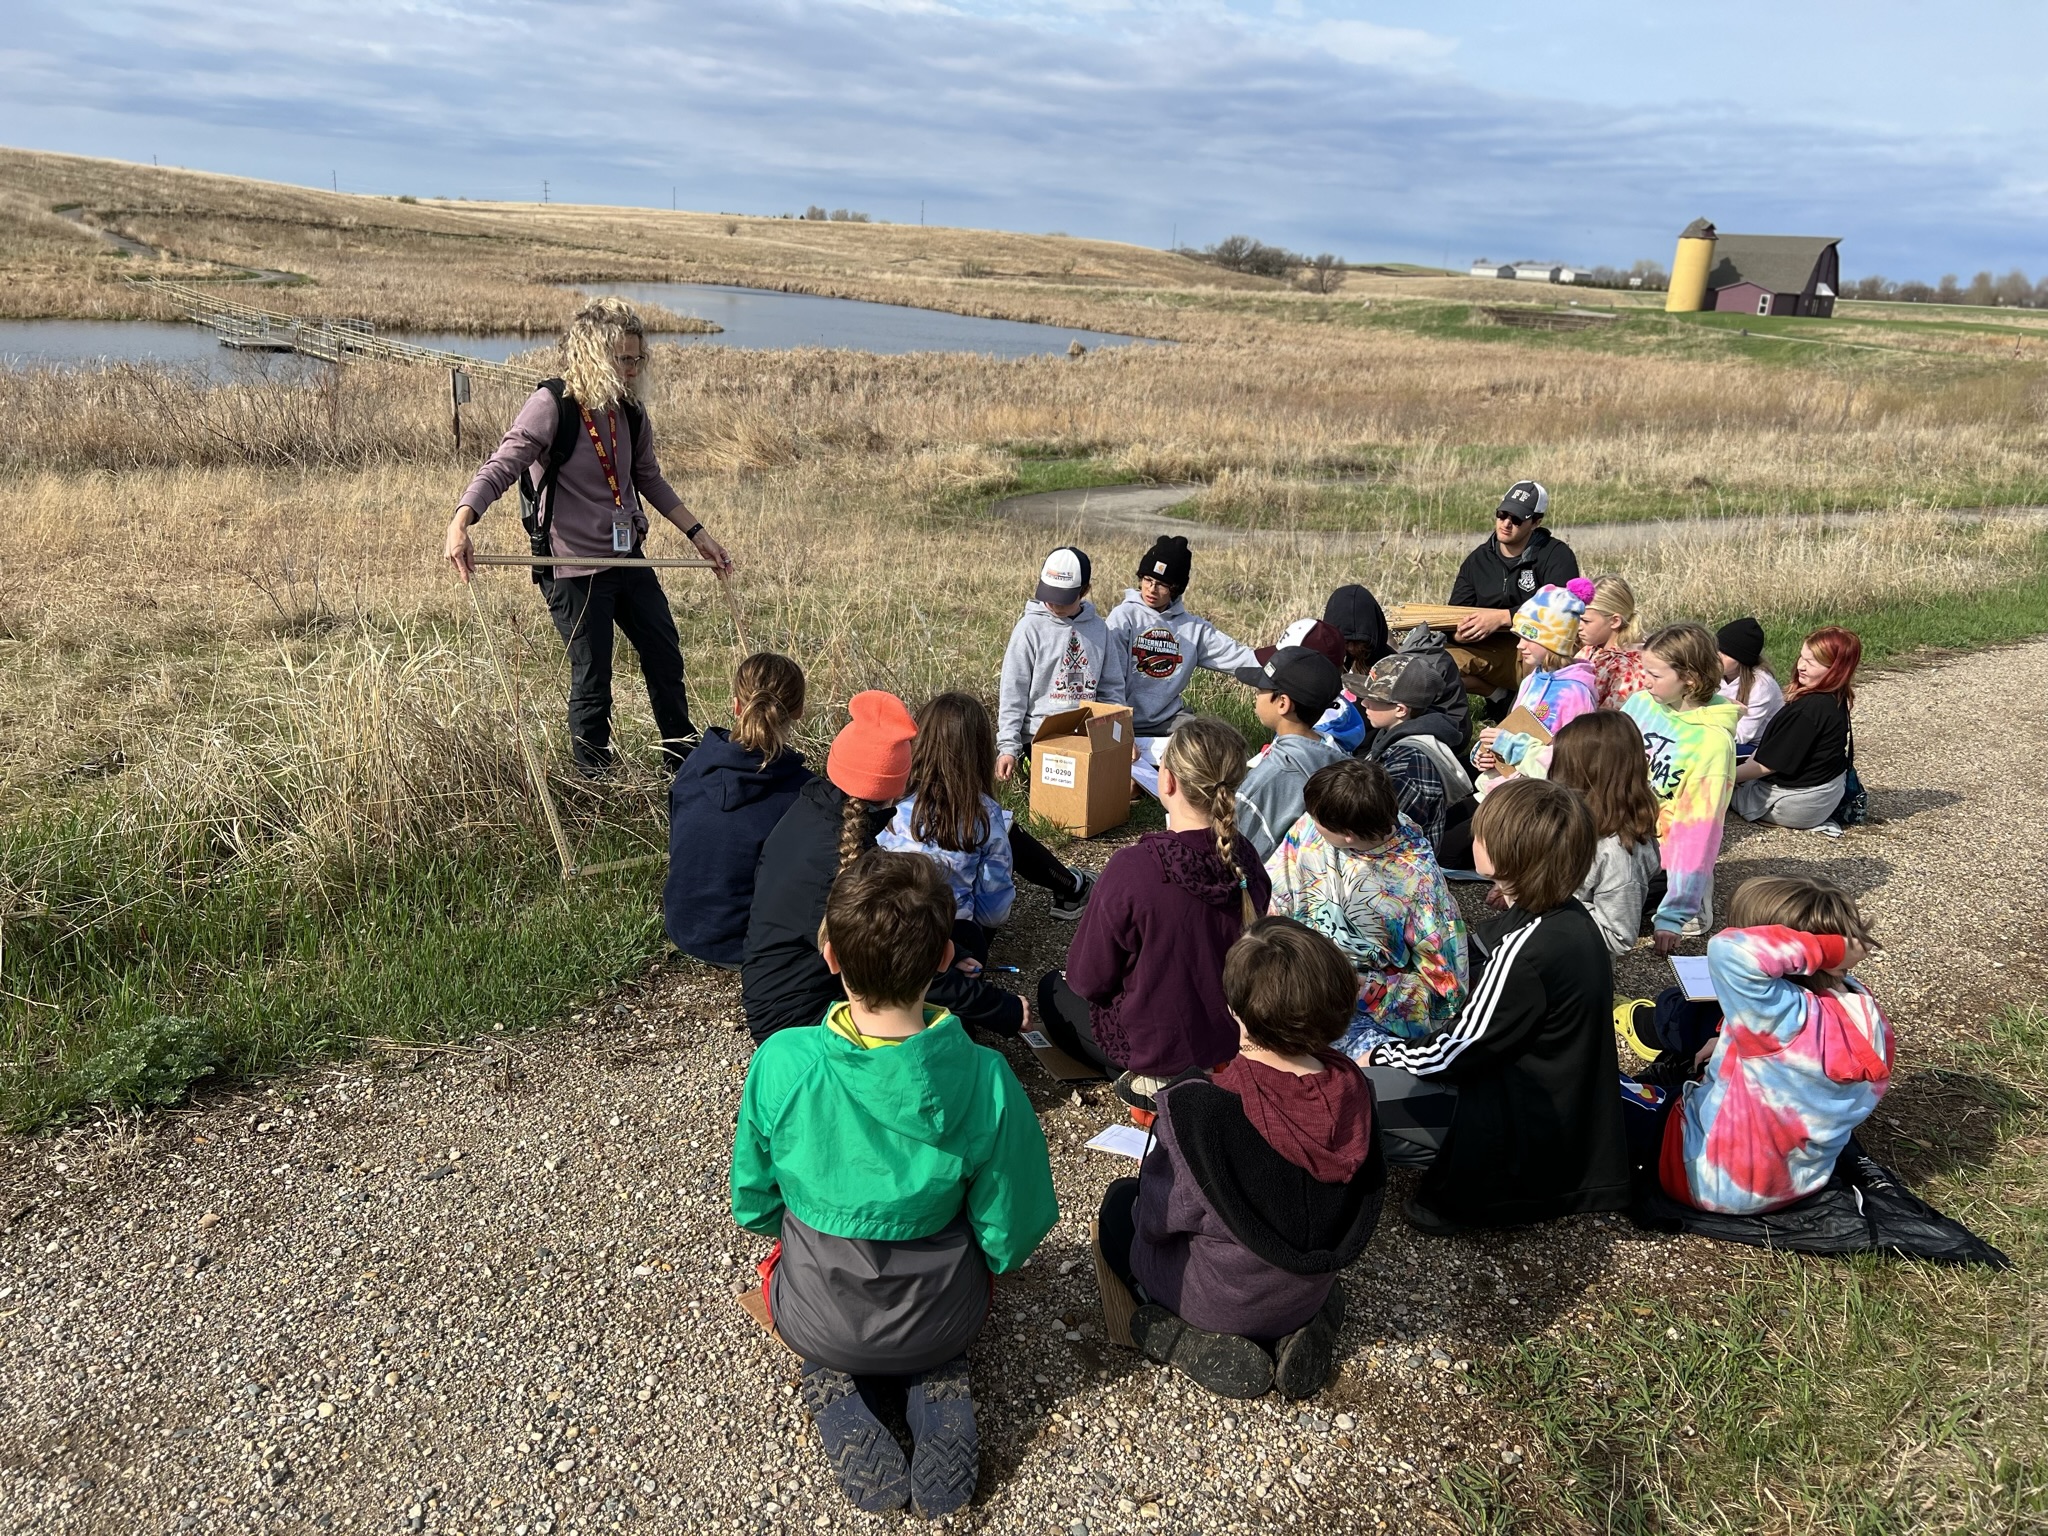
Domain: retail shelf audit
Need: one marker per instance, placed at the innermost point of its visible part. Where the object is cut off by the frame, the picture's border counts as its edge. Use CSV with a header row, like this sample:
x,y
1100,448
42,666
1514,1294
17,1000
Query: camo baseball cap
x,y
1412,678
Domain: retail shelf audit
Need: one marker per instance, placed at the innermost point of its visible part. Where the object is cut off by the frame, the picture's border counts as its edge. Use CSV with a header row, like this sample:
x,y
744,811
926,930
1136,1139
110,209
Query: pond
x,y
753,318
764,320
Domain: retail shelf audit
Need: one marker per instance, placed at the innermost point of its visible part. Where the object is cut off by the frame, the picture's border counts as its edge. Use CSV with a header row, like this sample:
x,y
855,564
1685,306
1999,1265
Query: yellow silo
x,y
1689,268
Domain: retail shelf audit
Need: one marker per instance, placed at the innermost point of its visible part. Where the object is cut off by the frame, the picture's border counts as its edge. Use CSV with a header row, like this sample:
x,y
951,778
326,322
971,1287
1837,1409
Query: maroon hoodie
x,y
1321,1124
1148,953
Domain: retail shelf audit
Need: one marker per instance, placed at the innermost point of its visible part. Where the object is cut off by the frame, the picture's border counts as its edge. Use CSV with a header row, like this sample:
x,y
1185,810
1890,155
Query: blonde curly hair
x,y
587,346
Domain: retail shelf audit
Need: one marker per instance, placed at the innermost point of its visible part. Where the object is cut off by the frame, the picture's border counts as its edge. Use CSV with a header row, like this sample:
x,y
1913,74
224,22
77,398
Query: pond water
x,y
753,318
764,320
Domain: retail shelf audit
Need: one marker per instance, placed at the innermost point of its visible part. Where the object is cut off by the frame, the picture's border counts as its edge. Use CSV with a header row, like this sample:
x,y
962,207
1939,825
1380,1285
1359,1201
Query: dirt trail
x,y
133,247
491,1291
1139,511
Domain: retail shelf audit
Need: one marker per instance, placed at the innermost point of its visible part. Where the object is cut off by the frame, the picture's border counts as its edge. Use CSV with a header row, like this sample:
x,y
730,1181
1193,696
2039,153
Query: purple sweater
x,y
1148,953
581,520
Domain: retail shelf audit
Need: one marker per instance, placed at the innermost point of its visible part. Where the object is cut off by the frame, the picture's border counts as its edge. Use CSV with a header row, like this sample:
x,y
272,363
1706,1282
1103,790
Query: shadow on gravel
x,y
1936,1121
1858,874
1905,804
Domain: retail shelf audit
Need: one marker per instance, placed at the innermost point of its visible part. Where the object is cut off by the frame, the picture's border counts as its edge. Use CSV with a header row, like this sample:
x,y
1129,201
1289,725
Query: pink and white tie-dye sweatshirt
x,y
1794,1072
1691,753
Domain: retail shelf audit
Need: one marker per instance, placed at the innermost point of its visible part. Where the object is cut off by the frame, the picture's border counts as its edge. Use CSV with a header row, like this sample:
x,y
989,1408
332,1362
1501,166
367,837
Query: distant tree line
x,y
837,215
2014,290
1652,274
1241,253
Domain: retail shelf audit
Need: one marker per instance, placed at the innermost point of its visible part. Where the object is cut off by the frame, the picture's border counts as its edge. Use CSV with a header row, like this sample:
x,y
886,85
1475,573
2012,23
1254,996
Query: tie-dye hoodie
x,y
1794,1073
1388,909
1691,754
1554,698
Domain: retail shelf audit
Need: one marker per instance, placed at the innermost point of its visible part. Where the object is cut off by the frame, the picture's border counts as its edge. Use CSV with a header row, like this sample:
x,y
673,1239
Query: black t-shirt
x,y
1807,742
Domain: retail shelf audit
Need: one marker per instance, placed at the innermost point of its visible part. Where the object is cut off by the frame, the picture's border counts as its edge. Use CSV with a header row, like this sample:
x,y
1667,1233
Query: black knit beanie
x,y
1169,560
1743,640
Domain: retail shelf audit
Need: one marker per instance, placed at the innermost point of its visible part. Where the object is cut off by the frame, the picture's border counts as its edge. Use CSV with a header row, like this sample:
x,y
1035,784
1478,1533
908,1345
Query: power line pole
x,y
334,178
543,191
920,213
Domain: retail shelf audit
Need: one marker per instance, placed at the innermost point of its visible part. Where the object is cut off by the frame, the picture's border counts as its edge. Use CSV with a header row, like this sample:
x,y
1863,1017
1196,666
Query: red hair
x,y
1840,653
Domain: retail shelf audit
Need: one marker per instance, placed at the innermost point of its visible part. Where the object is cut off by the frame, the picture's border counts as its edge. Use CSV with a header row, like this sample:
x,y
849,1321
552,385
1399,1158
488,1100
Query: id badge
x,y
622,536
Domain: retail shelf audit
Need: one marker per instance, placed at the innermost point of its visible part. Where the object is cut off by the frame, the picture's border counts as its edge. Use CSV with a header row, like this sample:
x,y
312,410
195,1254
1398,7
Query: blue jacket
x,y
721,807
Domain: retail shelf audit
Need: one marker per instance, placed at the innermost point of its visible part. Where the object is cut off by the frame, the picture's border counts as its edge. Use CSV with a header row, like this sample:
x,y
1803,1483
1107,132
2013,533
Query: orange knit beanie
x,y
870,759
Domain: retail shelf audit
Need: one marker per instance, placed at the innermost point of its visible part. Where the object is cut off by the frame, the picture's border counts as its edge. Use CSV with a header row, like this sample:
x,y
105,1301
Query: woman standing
x,y
585,449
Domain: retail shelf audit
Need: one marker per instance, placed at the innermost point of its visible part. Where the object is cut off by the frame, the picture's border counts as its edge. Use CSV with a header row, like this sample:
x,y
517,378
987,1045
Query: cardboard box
x,y
1081,768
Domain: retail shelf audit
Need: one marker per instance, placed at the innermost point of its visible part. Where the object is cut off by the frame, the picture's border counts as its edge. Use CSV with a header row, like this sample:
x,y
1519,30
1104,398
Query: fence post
x,y
458,392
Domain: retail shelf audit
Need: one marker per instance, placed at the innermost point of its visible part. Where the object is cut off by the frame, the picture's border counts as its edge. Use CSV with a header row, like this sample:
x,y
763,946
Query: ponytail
x,y
855,838
1207,757
1223,821
768,699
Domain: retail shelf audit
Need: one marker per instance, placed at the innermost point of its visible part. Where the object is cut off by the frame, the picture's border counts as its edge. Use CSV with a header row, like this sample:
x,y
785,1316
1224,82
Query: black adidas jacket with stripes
x,y
1537,1132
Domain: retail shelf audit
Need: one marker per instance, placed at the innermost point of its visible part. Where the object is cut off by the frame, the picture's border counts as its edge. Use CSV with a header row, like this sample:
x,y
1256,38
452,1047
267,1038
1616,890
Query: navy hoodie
x,y
721,807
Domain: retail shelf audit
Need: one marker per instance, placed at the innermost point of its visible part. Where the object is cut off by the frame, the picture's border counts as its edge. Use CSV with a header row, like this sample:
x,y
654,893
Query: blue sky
x,y
1570,130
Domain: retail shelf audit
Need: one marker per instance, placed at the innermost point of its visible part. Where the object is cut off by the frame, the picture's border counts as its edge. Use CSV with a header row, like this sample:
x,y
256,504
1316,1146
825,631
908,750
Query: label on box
x,y
1116,730
1055,770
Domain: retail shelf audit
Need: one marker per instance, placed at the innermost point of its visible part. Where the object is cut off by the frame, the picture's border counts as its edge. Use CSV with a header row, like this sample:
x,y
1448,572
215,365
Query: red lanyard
x,y
604,461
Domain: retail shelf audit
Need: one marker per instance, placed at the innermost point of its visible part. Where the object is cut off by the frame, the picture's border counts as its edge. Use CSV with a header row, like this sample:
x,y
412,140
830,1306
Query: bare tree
x,y
814,212
1325,274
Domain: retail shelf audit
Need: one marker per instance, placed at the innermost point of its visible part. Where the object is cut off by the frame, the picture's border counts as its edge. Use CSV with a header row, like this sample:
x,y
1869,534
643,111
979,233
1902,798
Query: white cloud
x,y
1362,42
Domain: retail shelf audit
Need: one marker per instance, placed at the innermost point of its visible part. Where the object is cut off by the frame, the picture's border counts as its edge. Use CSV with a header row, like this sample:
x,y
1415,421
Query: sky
x,y
1582,131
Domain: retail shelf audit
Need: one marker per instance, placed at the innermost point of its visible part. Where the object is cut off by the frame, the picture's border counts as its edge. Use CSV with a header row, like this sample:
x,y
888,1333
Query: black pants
x,y
1036,865
1063,1019
1117,1222
584,609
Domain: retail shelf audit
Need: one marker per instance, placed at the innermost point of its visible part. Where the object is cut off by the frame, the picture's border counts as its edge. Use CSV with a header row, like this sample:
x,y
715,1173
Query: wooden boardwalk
x,y
249,329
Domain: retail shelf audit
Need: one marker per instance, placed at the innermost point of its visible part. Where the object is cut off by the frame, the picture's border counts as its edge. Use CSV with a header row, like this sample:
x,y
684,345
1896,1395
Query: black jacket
x,y
1488,579
1537,1132
722,805
783,978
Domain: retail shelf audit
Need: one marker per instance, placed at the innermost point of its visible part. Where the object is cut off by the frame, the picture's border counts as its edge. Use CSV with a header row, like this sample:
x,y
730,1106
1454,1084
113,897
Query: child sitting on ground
x,y
1689,744
1358,872
784,980
1556,687
1604,641
952,818
1530,1128
1801,767
1418,742
1294,688
1142,994
1356,615
1264,1182
1747,680
1059,655
898,1165
1601,756
1162,643
1802,1057
722,804
1343,723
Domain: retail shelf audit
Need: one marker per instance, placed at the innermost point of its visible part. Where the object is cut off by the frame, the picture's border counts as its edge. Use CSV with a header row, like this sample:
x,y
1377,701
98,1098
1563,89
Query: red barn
x,y
1775,274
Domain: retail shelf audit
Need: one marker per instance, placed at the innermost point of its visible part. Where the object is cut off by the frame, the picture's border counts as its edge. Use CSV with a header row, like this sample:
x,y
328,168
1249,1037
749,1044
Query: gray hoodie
x,y
1614,888
1162,650
1271,798
1053,664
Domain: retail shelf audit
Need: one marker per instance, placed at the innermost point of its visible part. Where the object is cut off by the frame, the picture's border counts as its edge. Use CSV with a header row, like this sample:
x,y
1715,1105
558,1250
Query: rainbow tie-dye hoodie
x,y
1691,753
1554,698
1794,1073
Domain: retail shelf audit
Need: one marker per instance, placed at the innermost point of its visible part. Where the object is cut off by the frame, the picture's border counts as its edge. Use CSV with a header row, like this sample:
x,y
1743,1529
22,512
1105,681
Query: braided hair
x,y
856,837
1207,756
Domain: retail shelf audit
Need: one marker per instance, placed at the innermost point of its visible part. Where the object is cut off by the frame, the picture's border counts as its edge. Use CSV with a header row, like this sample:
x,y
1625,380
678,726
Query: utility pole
x,y
334,178
1176,236
920,213
671,197
543,191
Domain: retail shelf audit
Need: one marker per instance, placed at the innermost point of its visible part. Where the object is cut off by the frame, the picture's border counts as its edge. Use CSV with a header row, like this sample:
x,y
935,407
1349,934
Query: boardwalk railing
x,y
247,328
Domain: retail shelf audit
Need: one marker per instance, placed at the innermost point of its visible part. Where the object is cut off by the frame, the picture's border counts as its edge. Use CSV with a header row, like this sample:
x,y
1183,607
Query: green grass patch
x,y
1033,467
1813,1395
1897,632
132,971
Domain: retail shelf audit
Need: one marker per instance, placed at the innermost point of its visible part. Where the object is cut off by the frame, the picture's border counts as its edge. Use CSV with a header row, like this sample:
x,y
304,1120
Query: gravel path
x,y
492,1290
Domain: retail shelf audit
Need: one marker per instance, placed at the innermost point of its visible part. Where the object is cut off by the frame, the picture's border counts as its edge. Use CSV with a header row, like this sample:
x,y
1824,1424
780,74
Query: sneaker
x,y
947,1458
1125,1088
1427,1221
1226,1364
1068,909
1302,1360
865,1458
1631,1026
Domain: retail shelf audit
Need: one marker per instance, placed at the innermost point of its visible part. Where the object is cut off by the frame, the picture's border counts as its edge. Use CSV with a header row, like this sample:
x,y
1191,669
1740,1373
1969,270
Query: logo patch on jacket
x,y
1156,651
1526,579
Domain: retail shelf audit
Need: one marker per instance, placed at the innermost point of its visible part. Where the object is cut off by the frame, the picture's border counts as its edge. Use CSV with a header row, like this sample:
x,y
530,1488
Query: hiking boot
x,y
1226,1364
1427,1221
1302,1360
1632,1025
1068,909
863,1455
947,1458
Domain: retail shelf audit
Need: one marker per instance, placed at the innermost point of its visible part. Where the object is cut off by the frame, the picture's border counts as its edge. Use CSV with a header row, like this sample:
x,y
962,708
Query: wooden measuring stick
x,y
595,562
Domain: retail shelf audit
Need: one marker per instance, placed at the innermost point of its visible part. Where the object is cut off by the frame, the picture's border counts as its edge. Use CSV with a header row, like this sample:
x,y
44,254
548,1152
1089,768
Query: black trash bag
x,y
1863,1208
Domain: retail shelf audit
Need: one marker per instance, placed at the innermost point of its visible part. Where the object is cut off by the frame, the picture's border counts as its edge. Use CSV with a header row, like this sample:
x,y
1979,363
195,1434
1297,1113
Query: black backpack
x,y
536,501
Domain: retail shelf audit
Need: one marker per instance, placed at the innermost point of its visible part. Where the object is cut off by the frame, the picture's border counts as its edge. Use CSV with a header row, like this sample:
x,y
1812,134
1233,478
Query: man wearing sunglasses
x,y
1509,568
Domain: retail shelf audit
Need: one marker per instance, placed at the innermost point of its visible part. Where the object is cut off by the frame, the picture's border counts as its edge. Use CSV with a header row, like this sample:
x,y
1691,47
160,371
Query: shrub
x,y
149,1064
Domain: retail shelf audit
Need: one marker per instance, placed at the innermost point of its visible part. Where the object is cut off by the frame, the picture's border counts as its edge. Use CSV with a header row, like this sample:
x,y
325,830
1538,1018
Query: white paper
x,y
1123,1140
1145,763
1694,979
1055,770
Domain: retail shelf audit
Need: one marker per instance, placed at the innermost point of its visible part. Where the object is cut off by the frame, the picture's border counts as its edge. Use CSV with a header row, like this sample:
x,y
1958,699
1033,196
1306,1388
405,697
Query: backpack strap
x,y
536,498
1457,783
